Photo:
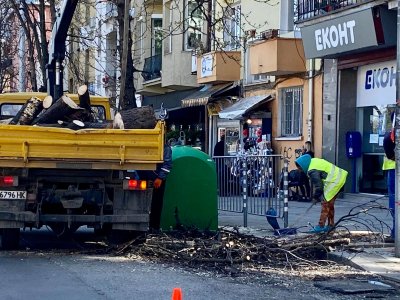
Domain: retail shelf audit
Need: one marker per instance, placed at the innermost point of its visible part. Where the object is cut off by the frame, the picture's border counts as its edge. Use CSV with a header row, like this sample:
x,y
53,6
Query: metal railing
x,y
253,184
152,67
307,9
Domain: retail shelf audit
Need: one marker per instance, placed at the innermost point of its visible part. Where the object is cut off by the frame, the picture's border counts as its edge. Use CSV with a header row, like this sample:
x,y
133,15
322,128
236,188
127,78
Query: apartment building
x,y
356,41
198,62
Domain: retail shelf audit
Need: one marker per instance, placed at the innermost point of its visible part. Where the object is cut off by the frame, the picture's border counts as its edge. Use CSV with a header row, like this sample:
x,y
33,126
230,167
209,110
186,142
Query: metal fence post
x,y
285,193
244,191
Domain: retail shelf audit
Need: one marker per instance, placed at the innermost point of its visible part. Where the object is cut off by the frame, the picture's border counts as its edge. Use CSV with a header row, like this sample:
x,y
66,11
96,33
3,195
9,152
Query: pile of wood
x,y
225,250
64,112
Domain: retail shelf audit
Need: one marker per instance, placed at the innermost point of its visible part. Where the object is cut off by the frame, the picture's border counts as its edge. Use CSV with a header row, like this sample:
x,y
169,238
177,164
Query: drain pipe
x,y
310,99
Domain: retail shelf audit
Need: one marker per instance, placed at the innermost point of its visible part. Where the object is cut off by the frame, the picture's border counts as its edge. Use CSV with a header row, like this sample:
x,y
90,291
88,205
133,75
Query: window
x,y
99,112
291,112
156,36
231,23
8,110
194,25
169,29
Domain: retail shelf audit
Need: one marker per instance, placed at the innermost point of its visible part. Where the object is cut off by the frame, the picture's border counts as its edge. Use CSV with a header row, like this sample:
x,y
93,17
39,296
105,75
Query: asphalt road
x,y
47,268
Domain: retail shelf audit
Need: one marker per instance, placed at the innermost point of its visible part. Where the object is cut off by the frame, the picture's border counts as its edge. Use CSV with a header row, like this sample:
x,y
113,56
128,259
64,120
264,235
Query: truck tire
x,y
9,238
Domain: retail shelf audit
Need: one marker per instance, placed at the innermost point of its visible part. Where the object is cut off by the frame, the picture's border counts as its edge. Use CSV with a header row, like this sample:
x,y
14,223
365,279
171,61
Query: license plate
x,y
12,194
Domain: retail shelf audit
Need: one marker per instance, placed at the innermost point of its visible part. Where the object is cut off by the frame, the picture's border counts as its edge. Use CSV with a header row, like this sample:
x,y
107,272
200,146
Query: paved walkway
x,y
358,212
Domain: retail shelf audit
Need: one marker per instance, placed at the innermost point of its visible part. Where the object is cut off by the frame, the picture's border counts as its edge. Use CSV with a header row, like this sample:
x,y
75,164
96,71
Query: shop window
x,y
193,24
291,111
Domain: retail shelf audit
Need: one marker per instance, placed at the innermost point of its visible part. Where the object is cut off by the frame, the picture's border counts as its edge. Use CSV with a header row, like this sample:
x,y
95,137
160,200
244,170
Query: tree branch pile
x,y
233,252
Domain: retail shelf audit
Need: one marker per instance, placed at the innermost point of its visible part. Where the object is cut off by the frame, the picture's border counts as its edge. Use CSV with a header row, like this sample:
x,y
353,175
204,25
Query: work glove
x,y
157,183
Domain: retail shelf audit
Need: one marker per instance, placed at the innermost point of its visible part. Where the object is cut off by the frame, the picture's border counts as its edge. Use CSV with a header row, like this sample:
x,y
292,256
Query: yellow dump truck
x,y
65,178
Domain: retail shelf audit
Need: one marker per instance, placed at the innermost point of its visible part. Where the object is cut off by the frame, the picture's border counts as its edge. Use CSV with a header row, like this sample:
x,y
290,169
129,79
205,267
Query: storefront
x,y
246,123
358,89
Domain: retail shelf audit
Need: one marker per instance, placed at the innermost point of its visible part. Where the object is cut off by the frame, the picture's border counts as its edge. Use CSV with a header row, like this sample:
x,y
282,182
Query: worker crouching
x,y
328,180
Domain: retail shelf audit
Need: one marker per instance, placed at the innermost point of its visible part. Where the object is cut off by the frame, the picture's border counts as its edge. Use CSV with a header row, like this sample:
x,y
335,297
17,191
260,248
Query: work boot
x,y
319,229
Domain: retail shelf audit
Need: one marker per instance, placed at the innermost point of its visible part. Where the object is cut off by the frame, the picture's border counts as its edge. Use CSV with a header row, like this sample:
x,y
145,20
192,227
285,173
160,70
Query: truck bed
x,y
49,147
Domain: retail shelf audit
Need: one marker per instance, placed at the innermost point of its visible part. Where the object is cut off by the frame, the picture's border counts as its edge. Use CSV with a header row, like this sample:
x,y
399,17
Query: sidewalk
x,y
377,258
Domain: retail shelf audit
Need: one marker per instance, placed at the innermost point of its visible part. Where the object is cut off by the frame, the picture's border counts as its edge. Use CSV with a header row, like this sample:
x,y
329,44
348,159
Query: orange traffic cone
x,y
177,294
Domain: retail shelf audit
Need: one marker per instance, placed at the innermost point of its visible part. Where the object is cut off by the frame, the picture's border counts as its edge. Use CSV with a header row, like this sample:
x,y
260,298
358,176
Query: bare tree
x,y
7,48
32,18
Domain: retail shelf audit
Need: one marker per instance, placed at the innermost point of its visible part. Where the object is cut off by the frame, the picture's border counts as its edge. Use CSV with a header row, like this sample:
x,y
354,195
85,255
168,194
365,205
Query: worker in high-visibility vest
x,y
328,180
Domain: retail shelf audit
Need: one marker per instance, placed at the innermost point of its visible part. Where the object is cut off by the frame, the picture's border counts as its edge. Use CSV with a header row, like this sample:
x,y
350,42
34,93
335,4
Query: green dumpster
x,y
190,197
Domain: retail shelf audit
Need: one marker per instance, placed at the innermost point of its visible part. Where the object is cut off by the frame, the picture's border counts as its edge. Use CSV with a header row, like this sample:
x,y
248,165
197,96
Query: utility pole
x,y
124,58
397,127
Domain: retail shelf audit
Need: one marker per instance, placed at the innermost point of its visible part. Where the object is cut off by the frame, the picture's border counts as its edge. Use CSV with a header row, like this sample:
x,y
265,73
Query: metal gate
x,y
253,184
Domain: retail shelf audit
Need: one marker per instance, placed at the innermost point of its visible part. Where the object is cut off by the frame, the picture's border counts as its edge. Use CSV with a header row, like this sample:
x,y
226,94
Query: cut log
x,y
80,114
60,110
135,118
98,125
55,125
84,97
47,101
76,125
33,107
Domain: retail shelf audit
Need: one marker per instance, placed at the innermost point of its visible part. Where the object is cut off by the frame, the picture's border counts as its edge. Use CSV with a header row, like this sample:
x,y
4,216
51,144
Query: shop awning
x,y
171,100
241,107
202,96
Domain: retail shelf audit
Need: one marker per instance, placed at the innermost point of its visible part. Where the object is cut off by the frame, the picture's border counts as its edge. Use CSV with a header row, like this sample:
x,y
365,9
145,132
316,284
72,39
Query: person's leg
x,y
324,213
331,212
391,179
156,207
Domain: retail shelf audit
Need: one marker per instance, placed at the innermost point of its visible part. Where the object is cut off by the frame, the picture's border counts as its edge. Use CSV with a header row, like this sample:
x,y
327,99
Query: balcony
x,y
218,67
277,56
152,68
307,9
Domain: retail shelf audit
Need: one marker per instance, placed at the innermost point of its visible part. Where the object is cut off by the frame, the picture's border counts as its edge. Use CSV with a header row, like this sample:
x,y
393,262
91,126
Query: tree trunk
x,y
62,109
32,109
135,118
76,125
84,97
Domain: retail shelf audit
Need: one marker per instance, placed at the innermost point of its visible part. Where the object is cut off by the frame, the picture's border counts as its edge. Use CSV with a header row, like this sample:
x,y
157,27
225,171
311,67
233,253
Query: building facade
x,y
356,41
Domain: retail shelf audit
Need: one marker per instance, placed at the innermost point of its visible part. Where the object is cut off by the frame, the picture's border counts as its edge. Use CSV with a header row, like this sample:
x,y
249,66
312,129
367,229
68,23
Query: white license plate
x,y
12,194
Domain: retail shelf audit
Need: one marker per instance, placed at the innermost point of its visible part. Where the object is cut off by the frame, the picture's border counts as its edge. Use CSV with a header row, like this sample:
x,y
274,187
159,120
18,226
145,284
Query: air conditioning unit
x,y
270,34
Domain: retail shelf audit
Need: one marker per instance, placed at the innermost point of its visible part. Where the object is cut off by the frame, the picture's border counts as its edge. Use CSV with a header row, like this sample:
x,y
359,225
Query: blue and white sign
x,y
376,84
207,62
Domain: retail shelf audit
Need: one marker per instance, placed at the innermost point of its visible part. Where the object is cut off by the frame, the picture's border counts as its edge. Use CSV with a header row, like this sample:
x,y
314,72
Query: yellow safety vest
x,y
388,164
335,179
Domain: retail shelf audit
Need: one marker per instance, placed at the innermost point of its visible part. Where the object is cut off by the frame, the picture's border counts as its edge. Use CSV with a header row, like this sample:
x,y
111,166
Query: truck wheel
x,y
62,231
9,238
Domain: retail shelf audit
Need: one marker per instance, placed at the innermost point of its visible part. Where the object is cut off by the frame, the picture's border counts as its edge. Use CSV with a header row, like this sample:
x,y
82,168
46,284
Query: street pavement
x,y
355,212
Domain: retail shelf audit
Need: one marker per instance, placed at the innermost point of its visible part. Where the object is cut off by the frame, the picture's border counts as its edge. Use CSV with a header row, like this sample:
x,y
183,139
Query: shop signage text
x,y
335,35
376,84
377,78
343,34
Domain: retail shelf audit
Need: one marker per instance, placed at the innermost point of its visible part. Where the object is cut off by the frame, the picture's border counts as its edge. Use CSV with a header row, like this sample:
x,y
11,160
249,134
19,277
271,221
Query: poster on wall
x,y
376,84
